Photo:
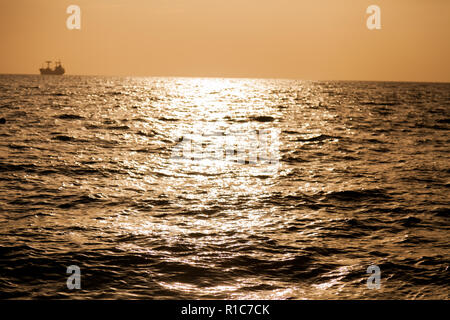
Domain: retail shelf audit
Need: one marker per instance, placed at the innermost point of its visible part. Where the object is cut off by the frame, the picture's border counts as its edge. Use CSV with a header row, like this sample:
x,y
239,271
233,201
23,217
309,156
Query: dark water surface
x,y
87,178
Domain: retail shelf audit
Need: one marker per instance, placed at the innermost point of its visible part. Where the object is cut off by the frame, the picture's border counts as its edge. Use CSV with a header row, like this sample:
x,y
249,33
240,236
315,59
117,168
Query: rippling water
x,y
87,178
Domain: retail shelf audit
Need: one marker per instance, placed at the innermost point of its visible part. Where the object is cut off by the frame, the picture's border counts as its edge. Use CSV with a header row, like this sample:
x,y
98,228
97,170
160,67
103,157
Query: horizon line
x,y
218,77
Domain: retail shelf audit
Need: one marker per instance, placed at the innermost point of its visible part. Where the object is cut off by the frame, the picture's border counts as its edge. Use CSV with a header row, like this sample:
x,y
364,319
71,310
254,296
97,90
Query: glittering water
x,y
88,178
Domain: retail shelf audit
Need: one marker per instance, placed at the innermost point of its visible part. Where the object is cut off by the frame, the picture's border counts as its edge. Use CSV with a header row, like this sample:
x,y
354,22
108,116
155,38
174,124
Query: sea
x,y
211,188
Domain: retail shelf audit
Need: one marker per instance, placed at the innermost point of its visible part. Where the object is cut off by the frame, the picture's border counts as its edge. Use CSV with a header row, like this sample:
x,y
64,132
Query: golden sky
x,y
314,39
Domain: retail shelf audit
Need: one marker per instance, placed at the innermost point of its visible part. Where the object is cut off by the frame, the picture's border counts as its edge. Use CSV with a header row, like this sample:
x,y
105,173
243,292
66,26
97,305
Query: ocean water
x,y
359,176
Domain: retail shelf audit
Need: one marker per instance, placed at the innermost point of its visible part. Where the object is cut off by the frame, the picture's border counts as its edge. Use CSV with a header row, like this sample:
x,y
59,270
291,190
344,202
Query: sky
x,y
311,40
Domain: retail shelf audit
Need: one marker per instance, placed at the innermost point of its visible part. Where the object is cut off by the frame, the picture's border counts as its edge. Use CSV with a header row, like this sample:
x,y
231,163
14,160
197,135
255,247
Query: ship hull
x,y
51,72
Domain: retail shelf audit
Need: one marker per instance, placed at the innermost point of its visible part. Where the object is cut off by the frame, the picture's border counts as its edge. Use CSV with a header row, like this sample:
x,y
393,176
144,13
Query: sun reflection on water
x,y
221,121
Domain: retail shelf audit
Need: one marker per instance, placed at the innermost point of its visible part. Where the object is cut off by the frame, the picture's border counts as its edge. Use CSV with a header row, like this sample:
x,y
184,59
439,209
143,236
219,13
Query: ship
x,y
58,70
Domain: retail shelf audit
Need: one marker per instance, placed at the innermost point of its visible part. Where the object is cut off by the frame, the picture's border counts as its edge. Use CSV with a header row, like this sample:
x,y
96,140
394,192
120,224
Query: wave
x,y
69,117
320,137
356,195
262,118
